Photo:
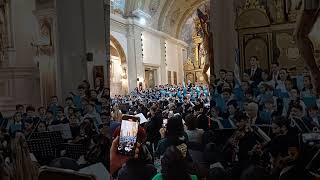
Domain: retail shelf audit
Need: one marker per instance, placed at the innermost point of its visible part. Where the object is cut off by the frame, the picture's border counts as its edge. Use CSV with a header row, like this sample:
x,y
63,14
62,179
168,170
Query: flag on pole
x,y
237,65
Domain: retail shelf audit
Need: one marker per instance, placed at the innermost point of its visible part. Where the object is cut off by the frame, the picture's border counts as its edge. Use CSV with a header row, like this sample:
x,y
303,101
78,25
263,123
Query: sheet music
x,y
143,119
98,170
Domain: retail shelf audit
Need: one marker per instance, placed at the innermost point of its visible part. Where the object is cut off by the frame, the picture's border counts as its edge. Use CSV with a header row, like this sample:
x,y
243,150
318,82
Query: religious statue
x,y
204,22
44,43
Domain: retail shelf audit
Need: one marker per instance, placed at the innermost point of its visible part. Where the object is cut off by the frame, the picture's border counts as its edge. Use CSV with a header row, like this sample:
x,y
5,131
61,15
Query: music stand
x,y
42,149
54,136
74,151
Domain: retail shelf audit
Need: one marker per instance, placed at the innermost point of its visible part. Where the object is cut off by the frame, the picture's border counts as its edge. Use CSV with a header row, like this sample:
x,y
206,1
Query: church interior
x,y
155,43
231,78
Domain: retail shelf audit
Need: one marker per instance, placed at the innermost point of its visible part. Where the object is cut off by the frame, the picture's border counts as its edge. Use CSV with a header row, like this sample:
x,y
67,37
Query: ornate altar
x,y
269,39
194,65
4,30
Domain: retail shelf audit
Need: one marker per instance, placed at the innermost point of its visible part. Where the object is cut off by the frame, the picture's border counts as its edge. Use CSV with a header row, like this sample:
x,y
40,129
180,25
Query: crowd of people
x,y
81,119
253,128
233,129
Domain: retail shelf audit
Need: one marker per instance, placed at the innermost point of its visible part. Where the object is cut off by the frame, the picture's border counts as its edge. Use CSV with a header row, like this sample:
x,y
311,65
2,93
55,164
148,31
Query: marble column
x,y
163,65
72,63
224,35
135,64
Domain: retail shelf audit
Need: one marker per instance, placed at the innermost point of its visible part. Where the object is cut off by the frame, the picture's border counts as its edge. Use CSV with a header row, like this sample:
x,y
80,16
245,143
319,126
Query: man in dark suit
x,y
254,72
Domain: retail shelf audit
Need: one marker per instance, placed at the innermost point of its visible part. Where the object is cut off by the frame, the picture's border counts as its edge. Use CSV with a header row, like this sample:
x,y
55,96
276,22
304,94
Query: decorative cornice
x,y
121,22
44,12
18,72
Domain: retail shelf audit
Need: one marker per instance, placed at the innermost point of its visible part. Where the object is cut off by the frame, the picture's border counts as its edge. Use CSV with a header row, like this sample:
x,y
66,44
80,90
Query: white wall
x,y
151,49
174,60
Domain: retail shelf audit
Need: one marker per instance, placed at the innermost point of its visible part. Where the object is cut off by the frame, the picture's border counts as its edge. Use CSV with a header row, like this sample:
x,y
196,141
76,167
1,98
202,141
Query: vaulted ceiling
x,y
168,16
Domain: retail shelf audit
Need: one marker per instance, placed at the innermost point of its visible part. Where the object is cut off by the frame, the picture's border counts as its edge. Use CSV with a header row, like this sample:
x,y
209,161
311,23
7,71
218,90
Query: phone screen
x,y
164,123
128,137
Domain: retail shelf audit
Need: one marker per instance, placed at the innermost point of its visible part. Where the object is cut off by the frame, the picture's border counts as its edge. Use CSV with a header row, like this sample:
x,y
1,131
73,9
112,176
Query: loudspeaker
x,y
89,57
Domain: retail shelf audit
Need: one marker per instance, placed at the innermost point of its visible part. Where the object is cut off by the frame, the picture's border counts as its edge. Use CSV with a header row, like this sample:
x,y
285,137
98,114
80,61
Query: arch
x,y
186,15
251,18
185,12
115,44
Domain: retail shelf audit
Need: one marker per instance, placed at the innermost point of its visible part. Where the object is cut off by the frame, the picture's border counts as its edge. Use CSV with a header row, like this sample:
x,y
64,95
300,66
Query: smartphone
x,y
128,137
164,123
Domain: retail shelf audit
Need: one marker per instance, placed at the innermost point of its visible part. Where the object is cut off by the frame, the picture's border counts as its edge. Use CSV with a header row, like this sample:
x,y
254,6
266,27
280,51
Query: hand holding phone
x,y
128,137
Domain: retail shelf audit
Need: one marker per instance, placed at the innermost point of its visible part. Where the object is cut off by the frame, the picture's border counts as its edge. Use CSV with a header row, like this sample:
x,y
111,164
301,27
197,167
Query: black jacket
x,y
257,77
153,127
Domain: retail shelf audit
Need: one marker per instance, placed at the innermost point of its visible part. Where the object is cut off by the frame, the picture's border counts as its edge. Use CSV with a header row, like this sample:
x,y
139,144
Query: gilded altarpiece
x,y
194,65
271,40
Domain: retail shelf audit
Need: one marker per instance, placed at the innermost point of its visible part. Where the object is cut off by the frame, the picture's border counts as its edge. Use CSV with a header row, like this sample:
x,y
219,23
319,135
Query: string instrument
x,y
232,145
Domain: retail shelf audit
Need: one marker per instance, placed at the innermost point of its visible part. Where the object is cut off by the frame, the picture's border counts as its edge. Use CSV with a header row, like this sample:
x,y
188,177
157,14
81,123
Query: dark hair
x,y
240,116
233,103
191,122
276,63
175,127
313,108
254,172
54,97
281,121
173,165
93,90
297,106
223,70
69,98
41,108
30,108
42,122
298,91
81,87
255,57
60,108
228,90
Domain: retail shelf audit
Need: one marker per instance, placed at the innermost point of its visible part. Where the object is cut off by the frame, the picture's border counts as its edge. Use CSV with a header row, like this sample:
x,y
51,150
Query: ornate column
x,y
135,64
45,46
222,20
